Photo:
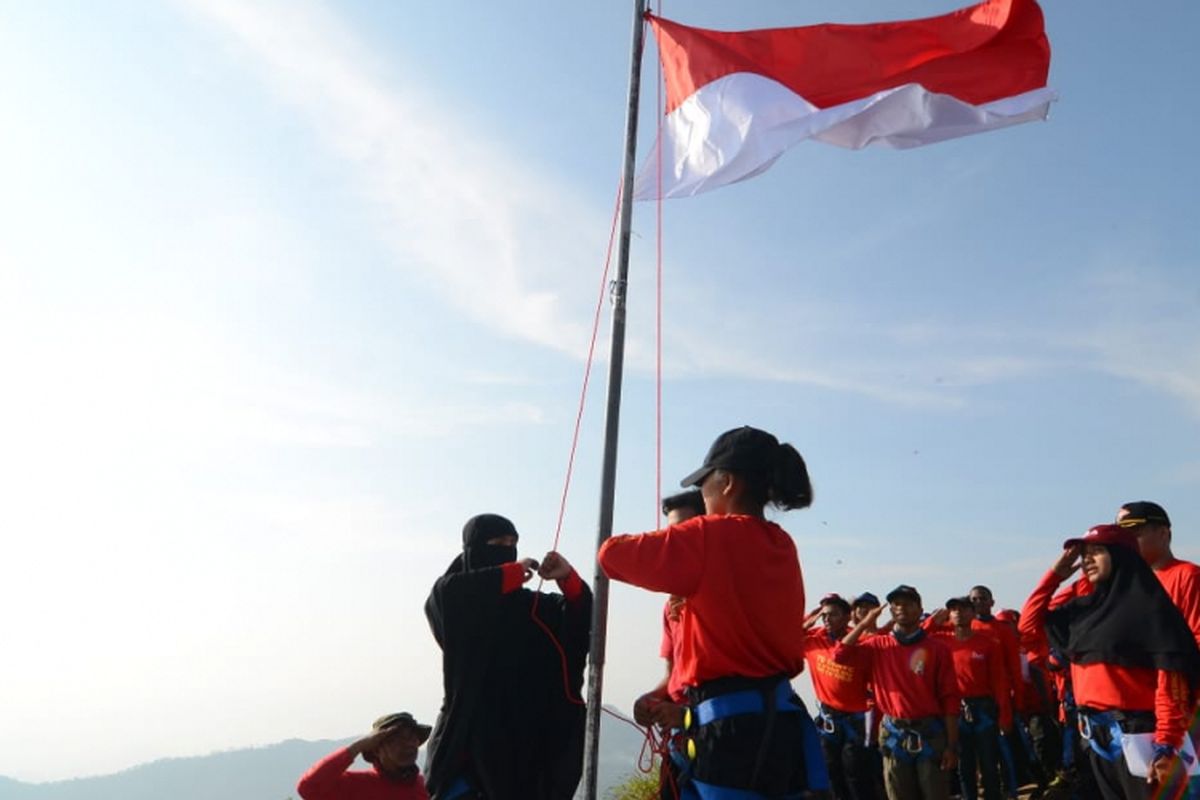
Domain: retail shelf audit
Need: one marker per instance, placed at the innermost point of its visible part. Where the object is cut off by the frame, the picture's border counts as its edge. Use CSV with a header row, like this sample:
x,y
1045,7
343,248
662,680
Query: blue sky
x,y
290,290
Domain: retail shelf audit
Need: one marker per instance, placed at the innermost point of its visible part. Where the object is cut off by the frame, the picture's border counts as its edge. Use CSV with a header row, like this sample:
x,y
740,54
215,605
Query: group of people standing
x,y
1089,691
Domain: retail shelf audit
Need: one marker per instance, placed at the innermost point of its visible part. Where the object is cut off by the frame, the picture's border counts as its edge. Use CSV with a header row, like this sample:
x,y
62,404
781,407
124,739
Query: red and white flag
x,y
737,100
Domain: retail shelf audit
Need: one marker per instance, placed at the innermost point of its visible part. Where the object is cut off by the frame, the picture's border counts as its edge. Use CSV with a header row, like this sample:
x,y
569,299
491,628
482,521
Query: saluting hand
x,y
371,741
554,567
1067,563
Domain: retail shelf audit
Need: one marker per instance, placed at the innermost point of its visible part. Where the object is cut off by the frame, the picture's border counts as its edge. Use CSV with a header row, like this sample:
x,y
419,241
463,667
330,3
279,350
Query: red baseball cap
x,y
1107,535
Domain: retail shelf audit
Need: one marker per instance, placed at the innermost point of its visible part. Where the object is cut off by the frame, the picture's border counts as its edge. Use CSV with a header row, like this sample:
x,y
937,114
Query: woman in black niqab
x,y
508,727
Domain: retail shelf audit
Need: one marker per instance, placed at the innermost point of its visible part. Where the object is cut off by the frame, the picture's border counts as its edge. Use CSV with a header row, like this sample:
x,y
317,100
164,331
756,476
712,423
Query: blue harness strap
x,y
838,724
1089,721
699,790
1068,754
678,754
906,745
749,701
974,718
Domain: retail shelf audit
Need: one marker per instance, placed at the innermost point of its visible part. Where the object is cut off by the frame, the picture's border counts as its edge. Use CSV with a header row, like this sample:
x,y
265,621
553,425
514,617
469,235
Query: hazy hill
x,y
261,773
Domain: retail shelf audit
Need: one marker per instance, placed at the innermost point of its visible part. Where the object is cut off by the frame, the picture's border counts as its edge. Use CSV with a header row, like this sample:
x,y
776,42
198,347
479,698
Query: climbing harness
x,y
905,742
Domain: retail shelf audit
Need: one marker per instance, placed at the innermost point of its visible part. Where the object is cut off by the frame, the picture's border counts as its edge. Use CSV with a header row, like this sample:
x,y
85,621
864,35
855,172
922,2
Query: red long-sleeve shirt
x,y
744,590
1108,687
1009,649
1181,579
332,779
910,681
1037,692
979,670
670,648
512,577
839,685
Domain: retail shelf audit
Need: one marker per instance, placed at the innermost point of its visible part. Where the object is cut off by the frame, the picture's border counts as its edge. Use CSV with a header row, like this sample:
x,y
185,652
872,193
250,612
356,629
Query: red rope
x,y
654,744
562,506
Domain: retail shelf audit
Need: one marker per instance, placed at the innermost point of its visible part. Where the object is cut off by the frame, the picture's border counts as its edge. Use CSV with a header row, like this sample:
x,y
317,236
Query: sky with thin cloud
x,y
288,290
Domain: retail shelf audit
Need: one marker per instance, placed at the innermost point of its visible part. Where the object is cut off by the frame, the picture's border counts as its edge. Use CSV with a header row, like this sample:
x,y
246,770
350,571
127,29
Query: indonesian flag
x,y
737,100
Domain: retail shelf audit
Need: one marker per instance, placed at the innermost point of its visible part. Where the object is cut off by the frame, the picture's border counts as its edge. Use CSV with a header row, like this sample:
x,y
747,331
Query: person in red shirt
x,y
1013,758
1036,705
841,690
649,708
986,710
391,749
860,607
663,704
912,673
1181,579
742,630
1133,659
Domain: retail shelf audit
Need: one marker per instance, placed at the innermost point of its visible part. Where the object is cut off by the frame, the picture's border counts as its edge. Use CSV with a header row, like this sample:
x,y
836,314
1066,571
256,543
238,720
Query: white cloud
x,y
501,242
1142,323
518,253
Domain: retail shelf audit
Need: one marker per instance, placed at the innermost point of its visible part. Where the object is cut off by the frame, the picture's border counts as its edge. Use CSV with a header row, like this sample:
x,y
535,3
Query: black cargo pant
x,y
850,762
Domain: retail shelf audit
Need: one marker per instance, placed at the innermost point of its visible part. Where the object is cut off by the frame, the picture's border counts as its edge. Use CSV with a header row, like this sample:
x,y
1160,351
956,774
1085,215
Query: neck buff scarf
x,y
910,638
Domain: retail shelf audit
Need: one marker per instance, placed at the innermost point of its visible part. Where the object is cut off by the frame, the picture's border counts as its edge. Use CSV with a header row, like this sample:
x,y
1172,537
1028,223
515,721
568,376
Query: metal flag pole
x,y
612,415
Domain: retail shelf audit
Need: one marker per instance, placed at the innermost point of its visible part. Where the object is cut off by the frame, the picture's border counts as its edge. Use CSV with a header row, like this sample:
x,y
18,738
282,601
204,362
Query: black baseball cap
x,y
959,602
1142,512
904,590
836,599
743,449
865,599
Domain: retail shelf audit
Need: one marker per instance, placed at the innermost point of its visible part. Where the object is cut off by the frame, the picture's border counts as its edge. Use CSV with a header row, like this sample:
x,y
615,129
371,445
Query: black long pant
x,y
1113,778
1045,736
851,764
979,750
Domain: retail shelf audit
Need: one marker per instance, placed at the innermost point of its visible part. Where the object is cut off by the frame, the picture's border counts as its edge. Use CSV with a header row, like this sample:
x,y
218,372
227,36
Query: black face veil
x,y
477,553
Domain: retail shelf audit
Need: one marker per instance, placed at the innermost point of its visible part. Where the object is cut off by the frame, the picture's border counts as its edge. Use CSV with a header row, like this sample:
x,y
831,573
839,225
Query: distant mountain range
x,y
262,773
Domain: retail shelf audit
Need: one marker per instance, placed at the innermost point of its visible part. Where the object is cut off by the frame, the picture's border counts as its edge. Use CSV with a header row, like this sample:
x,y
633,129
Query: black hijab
x,y
1128,620
477,553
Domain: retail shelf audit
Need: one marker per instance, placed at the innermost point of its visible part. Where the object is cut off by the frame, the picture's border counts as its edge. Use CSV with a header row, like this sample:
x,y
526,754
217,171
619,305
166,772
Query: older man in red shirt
x,y
391,749
1150,523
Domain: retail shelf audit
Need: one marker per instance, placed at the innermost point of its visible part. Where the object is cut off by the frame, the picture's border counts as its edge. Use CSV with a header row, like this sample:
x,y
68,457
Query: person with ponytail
x,y
1134,664
742,638
511,723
